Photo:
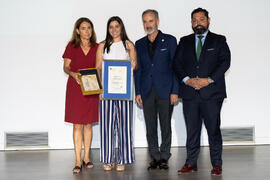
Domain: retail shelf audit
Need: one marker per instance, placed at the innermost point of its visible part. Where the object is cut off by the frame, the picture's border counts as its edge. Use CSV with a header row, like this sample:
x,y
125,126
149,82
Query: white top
x,y
117,51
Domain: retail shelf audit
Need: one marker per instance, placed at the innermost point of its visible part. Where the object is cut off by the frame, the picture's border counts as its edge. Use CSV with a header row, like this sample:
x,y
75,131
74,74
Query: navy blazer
x,y
158,73
214,61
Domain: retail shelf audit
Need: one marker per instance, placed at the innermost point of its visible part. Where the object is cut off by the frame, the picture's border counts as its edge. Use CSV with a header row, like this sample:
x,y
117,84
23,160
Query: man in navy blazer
x,y
156,86
200,63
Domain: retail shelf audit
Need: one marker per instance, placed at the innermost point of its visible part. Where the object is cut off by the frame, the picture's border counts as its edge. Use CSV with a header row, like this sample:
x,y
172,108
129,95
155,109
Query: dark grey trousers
x,y
154,107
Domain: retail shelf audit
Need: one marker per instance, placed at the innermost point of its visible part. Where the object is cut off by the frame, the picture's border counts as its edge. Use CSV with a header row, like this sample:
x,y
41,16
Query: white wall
x,y
34,34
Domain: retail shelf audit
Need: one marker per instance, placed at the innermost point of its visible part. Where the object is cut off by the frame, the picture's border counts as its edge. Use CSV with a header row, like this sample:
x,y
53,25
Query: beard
x,y
150,30
200,29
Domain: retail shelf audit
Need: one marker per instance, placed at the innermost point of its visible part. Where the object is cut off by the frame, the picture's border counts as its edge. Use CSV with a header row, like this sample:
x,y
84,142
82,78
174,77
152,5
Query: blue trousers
x,y
197,111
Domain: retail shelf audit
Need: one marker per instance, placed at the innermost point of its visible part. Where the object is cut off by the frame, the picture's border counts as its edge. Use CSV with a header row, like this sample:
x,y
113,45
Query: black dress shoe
x,y
153,164
163,164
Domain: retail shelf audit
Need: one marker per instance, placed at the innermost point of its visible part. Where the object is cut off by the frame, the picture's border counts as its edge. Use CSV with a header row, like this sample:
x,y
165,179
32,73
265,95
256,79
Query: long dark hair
x,y
76,40
109,38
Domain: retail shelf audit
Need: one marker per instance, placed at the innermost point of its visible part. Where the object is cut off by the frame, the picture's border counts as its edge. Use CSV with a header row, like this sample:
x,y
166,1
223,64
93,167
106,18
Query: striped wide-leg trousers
x,y
116,122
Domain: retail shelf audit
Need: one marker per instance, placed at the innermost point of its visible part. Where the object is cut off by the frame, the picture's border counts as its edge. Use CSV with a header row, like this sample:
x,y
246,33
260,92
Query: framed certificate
x,y
117,79
90,83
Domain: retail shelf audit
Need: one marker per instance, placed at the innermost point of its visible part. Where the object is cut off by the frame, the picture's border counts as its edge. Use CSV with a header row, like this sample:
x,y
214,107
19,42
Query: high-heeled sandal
x,y
120,167
88,165
108,167
77,168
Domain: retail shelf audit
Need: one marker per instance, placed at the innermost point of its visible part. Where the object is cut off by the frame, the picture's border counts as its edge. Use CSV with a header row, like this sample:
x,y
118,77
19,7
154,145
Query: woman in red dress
x,y
80,110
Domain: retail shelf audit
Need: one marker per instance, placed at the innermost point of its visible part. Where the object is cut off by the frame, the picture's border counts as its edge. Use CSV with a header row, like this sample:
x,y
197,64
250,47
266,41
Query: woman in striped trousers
x,y
116,115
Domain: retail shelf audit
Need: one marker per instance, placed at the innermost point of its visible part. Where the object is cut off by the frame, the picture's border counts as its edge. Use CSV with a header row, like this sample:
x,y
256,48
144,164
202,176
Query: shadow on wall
x,y
178,126
139,129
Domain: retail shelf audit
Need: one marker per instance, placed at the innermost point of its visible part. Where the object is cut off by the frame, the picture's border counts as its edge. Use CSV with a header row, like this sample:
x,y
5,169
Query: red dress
x,y
80,109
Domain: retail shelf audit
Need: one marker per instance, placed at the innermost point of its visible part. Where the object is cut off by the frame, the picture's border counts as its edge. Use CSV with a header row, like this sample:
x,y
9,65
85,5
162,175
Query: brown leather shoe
x,y
187,168
217,170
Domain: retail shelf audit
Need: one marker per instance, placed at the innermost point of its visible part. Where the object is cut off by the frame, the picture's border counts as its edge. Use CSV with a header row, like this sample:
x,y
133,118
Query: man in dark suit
x,y
156,86
200,63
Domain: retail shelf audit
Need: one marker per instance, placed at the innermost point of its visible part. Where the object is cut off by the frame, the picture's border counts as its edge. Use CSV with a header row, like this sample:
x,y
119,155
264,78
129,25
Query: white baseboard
x,y
262,140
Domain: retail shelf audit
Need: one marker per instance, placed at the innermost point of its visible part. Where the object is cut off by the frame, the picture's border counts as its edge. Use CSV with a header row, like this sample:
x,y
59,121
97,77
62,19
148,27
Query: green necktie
x,y
199,47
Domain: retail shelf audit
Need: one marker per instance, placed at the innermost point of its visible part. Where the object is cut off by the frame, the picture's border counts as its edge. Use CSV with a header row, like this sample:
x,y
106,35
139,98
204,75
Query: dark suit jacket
x,y
214,62
157,73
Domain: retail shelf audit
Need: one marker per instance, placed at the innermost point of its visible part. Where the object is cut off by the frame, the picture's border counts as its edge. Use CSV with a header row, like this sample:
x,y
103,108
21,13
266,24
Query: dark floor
x,y
239,163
